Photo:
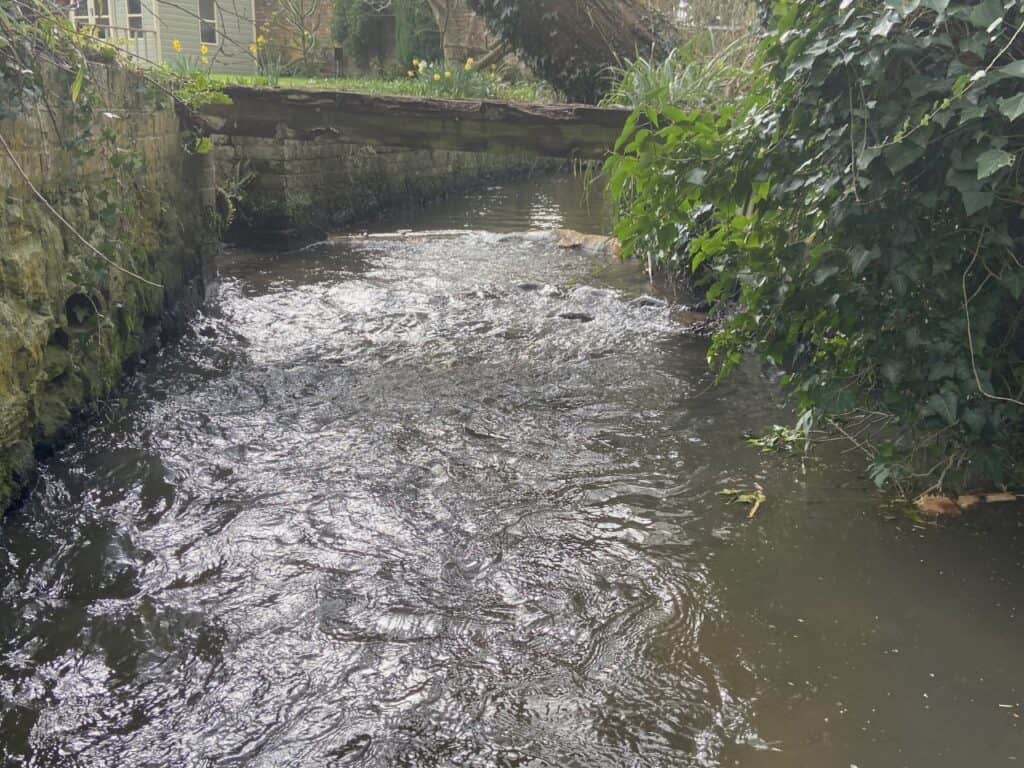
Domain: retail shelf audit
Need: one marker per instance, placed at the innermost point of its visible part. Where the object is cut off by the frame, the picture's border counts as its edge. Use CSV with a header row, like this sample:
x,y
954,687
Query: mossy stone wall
x,y
114,165
302,188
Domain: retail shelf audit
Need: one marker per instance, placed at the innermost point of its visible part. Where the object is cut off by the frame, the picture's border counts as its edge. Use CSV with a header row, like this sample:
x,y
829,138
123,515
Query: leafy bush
x,y
859,212
351,24
416,30
462,81
685,78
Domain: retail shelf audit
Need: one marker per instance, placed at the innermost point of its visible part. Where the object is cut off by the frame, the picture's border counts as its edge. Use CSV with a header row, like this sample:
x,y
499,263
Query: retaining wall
x,y
114,165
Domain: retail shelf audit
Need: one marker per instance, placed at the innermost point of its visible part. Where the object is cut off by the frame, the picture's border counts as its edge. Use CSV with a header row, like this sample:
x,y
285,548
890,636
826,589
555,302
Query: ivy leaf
x,y
900,156
1012,107
985,13
944,405
974,195
904,6
696,176
1015,69
977,200
884,25
1014,282
992,161
862,258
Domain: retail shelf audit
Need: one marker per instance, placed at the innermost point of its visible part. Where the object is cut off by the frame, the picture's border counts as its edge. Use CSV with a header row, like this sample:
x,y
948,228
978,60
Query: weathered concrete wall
x,y
298,189
115,167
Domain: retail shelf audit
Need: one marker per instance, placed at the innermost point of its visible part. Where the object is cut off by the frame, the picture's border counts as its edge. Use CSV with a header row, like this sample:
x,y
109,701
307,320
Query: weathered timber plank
x,y
559,130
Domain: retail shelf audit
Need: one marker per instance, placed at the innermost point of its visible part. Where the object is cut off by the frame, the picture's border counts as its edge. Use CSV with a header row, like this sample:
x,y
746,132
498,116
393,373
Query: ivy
x,y
856,217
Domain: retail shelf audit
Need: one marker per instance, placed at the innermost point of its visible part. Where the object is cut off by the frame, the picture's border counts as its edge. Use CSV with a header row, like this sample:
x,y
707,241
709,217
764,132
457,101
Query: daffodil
x,y
437,76
261,40
176,45
448,75
469,64
410,73
421,66
254,49
415,62
204,60
203,49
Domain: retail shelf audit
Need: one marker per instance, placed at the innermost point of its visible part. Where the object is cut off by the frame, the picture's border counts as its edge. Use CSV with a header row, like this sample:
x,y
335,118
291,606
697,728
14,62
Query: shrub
x,y
859,211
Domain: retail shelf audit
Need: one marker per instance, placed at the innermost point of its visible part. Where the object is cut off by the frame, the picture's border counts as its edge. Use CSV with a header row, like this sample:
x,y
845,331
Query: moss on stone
x,y
69,321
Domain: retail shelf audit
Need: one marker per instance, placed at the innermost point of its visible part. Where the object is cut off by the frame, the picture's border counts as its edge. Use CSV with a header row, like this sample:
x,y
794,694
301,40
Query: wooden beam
x,y
546,130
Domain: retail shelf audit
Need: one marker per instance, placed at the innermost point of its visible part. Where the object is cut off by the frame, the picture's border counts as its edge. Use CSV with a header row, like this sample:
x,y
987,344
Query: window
x,y
135,18
208,21
92,16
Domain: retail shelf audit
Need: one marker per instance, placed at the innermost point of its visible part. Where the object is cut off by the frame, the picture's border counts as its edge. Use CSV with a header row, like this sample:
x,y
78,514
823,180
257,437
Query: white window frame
x,y
91,19
134,31
210,22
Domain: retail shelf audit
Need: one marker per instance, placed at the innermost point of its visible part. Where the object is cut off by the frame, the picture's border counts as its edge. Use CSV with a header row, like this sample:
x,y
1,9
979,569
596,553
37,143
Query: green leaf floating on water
x,y
754,499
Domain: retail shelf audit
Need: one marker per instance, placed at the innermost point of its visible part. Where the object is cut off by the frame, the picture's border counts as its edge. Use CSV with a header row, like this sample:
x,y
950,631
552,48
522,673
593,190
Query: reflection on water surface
x,y
452,500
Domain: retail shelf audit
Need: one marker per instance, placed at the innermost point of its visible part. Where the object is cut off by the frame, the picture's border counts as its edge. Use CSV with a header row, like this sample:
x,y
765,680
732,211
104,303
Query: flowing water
x,y
451,497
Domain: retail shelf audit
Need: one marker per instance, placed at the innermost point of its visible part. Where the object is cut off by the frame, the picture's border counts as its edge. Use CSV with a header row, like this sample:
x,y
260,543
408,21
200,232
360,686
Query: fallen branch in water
x,y
931,504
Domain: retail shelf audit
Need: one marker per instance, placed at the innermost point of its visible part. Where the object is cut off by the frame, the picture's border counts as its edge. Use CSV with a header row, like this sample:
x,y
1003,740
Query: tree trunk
x,y
573,43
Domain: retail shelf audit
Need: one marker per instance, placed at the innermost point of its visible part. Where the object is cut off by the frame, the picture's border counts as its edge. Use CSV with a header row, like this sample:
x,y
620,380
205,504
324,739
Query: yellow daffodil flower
x,y
204,60
410,73
415,62
448,75
437,77
261,40
176,45
254,49
203,49
469,64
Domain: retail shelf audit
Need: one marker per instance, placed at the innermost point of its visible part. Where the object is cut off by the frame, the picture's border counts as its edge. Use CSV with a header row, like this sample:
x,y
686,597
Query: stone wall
x,y
114,166
299,189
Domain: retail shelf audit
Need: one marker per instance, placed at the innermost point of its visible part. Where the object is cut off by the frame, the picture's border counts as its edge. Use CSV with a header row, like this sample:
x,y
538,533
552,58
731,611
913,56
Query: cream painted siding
x,y
112,22
179,20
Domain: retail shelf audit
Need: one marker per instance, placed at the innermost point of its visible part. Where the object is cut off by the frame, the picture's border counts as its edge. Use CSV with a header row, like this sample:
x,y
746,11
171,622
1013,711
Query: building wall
x,y
69,320
179,20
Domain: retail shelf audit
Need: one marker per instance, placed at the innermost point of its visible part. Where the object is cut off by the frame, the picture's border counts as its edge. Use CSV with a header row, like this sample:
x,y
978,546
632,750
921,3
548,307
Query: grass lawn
x,y
461,85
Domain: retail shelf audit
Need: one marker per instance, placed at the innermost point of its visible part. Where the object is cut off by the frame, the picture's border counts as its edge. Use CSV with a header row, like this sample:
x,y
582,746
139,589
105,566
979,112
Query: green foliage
x,y
778,439
416,32
461,81
688,76
856,217
574,45
351,27
480,85
31,33
195,88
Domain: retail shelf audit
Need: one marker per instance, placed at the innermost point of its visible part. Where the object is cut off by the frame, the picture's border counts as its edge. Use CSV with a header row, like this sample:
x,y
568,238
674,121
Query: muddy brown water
x,y
450,497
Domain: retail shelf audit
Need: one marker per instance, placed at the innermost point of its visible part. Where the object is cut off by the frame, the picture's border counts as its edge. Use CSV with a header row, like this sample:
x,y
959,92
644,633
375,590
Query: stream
x,y
445,494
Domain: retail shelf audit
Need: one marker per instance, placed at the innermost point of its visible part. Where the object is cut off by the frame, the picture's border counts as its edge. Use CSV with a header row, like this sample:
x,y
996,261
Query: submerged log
x,y
558,130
